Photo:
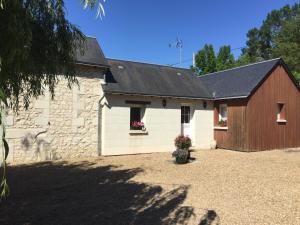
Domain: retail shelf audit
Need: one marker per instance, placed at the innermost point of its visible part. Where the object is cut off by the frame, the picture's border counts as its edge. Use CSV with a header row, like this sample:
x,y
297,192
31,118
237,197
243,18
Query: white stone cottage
x,y
124,107
96,118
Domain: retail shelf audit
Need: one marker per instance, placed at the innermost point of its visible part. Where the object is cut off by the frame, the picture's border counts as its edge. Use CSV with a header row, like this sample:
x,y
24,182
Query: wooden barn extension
x,y
269,118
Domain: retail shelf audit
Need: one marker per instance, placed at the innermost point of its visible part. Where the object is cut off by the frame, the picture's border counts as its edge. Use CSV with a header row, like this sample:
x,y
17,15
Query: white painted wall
x,y
162,124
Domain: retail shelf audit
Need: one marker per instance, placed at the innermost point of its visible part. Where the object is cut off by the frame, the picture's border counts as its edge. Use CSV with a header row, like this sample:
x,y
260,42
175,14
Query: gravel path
x,y
220,187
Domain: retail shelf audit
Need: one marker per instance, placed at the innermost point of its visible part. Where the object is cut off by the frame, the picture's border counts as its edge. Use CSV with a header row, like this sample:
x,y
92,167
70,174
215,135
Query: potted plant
x,y
182,153
138,125
223,123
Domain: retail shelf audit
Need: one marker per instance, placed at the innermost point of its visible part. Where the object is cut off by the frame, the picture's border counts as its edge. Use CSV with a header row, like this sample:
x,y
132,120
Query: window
x,y
223,112
185,114
136,117
281,112
223,115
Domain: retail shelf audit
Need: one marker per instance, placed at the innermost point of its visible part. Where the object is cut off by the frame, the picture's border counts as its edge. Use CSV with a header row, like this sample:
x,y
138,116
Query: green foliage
x,y
252,52
38,43
183,142
243,60
4,149
297,75
207,62
279,36
225,59
287,45
261,41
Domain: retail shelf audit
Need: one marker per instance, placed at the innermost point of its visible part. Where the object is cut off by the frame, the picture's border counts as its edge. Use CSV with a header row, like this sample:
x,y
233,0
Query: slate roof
x,y
126,77
238,82
155,80
93,54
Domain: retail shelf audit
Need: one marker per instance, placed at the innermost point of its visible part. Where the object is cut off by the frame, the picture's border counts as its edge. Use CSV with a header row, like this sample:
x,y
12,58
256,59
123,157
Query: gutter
x,y
178,97
236,97
159,96
92,64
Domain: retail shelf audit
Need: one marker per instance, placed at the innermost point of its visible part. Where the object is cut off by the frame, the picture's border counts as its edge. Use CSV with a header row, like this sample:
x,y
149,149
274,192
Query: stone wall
x,y
60,128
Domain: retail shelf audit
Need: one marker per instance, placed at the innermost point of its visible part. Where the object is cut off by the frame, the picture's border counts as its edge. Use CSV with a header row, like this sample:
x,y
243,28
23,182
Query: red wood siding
x,y
252,123
264,132
234,137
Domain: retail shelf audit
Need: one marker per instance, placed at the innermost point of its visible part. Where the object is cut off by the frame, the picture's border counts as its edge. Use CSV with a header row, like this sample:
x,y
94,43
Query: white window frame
x,y
221,118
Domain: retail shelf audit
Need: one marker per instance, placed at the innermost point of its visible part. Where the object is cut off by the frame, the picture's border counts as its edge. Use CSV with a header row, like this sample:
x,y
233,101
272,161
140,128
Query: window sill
x,y
281,121
138,132
221,128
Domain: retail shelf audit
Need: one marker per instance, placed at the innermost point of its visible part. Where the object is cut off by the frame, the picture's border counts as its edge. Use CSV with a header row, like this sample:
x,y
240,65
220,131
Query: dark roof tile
x,y
93,54
239,81
157,80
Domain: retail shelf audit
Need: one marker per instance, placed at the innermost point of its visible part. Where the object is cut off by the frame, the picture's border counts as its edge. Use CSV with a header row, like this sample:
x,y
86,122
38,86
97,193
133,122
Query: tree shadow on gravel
x,y
210,218
85,193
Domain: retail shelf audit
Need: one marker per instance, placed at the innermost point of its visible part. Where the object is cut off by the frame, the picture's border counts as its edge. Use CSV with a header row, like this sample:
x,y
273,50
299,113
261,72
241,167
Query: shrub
x,y
183,142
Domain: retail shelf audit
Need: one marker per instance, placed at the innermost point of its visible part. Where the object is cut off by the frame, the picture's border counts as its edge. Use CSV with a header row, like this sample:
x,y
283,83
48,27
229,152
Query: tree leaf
x,y
4,189
6,148
3,97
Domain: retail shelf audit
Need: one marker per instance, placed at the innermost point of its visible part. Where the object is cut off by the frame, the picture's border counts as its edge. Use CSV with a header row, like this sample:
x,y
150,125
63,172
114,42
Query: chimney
x,y
194,60
103,81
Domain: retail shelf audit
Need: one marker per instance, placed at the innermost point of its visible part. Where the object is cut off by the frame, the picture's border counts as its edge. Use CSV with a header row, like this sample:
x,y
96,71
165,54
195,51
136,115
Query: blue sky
x,y
141,30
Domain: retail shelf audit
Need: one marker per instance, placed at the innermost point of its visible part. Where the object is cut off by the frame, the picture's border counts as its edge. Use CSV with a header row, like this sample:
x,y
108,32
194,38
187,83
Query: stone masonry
x,y
61,128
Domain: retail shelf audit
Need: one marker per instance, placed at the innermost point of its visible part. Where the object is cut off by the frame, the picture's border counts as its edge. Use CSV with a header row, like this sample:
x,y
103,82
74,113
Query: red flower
x,y
183,142
137,124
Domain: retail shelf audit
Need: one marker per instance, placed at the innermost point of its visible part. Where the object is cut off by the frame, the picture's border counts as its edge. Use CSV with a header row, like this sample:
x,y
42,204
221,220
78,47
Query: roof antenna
x,y
178,44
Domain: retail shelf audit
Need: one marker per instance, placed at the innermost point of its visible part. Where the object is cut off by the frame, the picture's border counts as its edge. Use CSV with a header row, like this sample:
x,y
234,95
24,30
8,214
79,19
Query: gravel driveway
x,y
219,187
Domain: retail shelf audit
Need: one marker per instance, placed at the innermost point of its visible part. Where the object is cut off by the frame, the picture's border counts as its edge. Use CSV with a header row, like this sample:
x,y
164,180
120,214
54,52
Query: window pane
x,y
223,112
185,114
281,111
187,118
187,110
135,114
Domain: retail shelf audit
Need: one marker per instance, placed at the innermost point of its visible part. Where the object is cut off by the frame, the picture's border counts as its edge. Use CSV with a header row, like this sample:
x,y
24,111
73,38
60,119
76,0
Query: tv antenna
x,y
178,44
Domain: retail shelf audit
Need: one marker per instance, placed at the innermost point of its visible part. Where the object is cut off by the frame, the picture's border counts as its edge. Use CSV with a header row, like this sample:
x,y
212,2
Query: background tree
x,y
252,52
277,37
287,45
37,44
206,60
225,59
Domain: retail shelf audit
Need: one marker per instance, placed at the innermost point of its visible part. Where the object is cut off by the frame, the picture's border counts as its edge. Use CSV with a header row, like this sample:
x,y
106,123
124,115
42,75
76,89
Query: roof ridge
x,y
148,63
238,67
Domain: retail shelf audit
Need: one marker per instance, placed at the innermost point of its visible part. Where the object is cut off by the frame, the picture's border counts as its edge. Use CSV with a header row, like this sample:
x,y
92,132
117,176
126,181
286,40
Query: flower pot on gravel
x,y
182,153
181,156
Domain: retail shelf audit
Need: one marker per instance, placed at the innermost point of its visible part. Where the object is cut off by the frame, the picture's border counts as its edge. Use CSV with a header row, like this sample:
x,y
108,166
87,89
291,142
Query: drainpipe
x,y
100,107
